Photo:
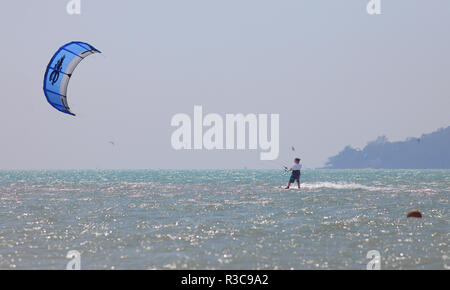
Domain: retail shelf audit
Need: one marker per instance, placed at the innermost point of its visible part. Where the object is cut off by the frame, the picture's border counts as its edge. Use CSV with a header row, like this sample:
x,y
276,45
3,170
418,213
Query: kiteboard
x,y
290,188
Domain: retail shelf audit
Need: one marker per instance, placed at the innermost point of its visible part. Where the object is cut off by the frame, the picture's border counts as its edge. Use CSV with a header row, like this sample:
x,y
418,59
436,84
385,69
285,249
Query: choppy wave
x,y
223,219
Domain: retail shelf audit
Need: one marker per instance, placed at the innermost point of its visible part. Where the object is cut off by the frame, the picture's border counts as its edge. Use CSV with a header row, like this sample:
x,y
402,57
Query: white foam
x,y
339,185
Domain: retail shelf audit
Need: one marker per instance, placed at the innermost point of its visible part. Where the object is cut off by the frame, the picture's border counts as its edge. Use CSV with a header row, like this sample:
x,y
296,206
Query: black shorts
x,y
295,176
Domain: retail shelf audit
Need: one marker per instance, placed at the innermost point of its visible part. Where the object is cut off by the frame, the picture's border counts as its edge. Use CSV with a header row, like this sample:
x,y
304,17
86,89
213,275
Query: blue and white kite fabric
x,y
59,71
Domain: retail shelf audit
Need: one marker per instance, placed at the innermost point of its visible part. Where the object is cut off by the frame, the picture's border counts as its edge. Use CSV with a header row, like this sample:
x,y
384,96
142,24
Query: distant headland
x,y
430,151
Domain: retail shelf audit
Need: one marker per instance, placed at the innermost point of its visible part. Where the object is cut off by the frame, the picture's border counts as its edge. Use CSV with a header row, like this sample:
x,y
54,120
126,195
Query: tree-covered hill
x,y
430,151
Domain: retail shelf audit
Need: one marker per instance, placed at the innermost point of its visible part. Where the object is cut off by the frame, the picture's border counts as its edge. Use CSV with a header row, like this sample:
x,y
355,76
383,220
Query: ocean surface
x,y
224,219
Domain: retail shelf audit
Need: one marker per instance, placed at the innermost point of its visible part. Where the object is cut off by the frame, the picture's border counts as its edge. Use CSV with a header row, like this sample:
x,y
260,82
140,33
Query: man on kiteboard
x,y
296,173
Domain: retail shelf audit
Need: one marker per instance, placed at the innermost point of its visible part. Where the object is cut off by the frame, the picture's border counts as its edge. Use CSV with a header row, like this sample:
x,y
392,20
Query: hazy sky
x,y
336,75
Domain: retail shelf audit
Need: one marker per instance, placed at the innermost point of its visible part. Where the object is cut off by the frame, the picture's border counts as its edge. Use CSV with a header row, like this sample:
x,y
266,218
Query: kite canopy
x,y
59,71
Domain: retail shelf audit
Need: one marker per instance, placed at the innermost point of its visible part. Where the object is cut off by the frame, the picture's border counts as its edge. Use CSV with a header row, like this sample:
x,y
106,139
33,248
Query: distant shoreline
x,y
430,151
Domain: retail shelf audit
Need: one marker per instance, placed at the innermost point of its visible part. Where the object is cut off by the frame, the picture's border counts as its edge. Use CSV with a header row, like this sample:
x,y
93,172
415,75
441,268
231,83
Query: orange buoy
x,y
414,213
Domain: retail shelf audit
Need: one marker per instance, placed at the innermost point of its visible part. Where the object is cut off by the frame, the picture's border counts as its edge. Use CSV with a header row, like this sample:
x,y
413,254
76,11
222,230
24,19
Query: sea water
x,y
224,219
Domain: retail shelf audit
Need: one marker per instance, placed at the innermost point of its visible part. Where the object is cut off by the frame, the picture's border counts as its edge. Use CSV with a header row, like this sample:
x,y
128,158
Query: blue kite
x,y
59,71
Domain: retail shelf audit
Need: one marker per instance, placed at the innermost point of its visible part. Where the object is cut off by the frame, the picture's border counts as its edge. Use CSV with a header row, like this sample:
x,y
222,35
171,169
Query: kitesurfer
x,y
296,173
